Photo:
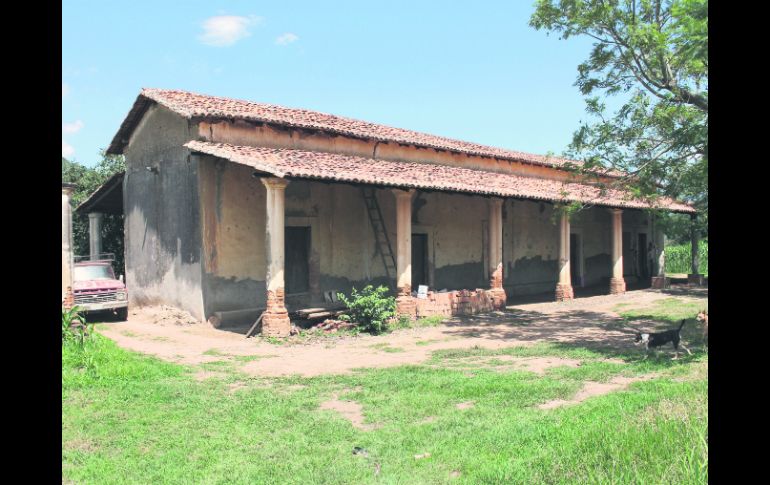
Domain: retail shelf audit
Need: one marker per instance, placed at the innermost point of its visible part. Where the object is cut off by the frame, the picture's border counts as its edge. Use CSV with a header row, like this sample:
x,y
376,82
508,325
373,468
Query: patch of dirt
x,y
585,322
350,410
428,420
465,405
591,389
162,315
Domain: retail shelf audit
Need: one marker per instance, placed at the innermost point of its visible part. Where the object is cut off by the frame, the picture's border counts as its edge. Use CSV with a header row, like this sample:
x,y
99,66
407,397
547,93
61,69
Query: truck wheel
x,y
122,313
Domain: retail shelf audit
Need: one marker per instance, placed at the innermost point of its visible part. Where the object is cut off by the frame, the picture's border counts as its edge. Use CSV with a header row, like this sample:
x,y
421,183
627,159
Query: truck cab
x,y
95,287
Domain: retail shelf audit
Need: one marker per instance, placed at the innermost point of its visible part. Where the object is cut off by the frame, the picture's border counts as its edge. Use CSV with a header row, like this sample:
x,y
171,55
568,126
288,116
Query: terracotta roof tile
x,y
345,168
191,105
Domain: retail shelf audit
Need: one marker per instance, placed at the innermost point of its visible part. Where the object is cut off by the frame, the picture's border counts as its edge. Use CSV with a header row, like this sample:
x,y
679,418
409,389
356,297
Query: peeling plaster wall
x,y
343,251
161,215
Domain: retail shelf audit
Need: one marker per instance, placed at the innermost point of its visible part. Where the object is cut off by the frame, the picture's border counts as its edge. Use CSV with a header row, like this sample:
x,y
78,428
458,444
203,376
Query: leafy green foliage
x,y
652,55
74,328
371,308
88,180
679,258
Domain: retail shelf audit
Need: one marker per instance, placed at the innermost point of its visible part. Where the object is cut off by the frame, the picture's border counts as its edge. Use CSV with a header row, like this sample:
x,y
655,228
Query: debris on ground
x,y
163,315
421,456
329,326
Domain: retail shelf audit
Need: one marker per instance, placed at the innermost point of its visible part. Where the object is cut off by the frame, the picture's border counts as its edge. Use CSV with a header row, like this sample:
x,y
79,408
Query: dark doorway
x,y
576,265
419,260
644,270
297,254
629,261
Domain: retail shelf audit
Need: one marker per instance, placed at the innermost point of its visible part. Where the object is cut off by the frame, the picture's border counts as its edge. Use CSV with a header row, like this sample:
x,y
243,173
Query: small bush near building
x,y
370,309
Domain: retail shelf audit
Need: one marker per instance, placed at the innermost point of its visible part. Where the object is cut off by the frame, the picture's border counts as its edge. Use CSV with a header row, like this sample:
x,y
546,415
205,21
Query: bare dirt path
x,y
587,322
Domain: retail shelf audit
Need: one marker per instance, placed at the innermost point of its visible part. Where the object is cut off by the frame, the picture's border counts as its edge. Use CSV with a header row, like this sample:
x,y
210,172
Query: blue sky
x,y
475,72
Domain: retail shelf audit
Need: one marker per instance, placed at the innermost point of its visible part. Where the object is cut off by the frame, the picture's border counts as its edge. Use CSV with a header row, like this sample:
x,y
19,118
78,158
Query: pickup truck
x,y
95,288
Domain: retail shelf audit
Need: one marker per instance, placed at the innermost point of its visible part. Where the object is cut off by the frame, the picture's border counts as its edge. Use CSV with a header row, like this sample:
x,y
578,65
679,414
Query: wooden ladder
x,y
380,234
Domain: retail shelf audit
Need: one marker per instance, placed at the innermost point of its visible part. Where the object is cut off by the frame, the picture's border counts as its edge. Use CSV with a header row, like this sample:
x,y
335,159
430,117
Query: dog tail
x,y
681,325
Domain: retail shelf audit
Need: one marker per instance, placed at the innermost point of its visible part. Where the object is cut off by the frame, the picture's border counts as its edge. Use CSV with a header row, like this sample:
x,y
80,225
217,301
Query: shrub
x,y
74,328
371,308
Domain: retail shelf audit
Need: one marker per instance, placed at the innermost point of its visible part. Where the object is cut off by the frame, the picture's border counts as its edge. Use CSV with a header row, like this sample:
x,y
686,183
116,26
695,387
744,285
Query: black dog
x,y
652,340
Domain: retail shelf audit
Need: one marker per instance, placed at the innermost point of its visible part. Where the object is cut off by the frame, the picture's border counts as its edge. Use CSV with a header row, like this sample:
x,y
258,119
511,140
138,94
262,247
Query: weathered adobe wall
x,y
343,252
531,246
161,215
343,255
242,133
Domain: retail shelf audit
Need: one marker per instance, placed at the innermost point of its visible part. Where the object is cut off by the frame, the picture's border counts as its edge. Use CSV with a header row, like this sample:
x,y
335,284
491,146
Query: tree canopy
x,y
652,56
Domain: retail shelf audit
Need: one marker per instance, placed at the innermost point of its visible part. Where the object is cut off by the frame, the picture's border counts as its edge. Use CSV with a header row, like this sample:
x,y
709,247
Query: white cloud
x,y
65,89
286,39
225,30
71,128
67,150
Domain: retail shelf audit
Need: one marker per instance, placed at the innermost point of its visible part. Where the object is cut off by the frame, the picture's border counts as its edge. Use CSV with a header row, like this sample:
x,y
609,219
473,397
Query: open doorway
x,y
419,260
576,259
644,269
297,254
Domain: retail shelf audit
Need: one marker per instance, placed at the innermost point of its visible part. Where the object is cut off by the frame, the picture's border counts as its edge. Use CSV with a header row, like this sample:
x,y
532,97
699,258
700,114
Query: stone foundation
x,y
660,282
617,286
564,292
276,322
695,279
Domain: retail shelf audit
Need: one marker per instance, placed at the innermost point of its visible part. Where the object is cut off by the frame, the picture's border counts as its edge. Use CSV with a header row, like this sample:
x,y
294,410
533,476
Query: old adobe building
x,y
233,205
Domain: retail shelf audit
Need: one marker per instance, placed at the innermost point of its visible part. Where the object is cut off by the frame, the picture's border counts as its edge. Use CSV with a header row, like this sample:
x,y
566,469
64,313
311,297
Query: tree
x,y
653,56
87,181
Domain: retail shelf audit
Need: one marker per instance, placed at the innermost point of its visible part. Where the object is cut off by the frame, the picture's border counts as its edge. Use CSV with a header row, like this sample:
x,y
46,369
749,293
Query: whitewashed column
x,y
617,283
495,241
275,321
67,258
405,304
95,234
564,289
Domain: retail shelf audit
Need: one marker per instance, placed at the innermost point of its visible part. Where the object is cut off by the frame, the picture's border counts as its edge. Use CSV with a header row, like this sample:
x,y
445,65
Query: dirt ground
x,y
586,322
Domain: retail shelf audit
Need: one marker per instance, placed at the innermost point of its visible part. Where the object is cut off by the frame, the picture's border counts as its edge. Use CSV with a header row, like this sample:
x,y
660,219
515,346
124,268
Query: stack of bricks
x,y
461,302
69,300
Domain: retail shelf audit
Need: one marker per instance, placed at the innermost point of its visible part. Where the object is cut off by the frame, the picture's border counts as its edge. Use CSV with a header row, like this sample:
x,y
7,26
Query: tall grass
x,y
678,258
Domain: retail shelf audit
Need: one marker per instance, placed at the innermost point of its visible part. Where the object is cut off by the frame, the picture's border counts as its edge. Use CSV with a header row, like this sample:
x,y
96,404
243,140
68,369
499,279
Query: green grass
x,y
129,418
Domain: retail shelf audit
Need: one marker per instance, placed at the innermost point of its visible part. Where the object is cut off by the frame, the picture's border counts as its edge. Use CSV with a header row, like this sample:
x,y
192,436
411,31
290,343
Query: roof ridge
x,y
157,95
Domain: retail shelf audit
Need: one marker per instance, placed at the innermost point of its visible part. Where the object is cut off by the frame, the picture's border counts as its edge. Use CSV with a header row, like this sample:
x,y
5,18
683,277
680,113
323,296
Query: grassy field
x,y
128,418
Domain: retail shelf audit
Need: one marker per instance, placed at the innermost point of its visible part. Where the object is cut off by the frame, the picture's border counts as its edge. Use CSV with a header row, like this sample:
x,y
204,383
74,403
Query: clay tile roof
x,y
191,105
344,168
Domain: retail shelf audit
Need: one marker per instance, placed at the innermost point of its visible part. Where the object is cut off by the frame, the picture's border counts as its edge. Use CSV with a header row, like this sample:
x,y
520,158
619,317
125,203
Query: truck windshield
x,y
95,272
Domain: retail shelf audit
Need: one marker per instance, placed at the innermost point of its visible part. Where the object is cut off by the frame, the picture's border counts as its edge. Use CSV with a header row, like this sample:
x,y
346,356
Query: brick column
x,y
495,239
405,304
564,286
67,258
617,283
95,234
276,321
694,278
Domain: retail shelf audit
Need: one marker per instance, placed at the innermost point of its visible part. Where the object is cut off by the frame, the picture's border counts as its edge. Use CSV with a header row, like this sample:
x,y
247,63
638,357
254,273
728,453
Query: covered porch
x,y
474,238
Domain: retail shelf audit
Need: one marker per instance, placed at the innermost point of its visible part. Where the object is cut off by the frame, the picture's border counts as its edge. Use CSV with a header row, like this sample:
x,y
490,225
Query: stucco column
x,y
95,234
495,240
564,286
617,283
659,272
276,321
405,304
695,277
67,258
